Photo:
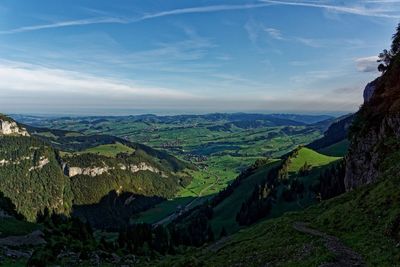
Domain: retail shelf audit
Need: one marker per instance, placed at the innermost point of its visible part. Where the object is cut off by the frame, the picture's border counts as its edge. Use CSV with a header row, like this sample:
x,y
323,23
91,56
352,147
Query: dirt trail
x,y
344,256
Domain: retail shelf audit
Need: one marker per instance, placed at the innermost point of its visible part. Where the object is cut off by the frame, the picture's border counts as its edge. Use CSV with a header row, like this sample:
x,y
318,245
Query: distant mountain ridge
x,y
276,119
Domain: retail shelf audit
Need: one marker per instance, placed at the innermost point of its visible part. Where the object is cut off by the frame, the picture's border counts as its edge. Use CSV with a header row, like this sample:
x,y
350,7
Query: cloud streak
x,y
20,78
274,33
121,20
70,23
355,10
367,64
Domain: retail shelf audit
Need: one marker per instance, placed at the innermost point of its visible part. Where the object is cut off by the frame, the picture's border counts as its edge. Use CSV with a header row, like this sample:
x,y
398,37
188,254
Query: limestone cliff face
x,y
96,171
8,127
375,133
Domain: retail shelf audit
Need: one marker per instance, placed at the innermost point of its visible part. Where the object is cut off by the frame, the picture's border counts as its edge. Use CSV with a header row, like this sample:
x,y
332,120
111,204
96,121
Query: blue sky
x,y
120,57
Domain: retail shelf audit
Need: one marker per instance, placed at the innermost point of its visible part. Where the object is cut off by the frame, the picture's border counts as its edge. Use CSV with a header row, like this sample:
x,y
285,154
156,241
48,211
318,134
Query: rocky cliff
x,y
375,133
9,127
96,171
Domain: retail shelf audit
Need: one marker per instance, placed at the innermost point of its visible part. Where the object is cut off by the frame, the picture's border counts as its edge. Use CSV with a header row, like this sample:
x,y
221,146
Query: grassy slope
x,y
311,157
369,211
319,163
225,213
338,150
110,150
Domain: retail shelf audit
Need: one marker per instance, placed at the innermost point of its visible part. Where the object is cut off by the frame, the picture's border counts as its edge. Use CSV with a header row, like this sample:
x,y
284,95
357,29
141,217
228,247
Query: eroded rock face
x,y
95,171
369,91
365,157
42,162
142,166
11,128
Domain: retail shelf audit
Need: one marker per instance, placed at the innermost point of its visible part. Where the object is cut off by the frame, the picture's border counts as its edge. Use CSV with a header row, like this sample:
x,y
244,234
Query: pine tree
x,y
396,41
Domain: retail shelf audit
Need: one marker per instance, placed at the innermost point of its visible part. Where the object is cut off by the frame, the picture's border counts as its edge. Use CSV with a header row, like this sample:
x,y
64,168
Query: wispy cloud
x,y
274,33
81,22
253,30
126,20
367,64
355,10
256,30
21,77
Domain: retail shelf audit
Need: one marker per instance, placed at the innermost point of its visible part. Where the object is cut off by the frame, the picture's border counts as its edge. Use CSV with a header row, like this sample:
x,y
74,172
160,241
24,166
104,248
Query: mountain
x,y
30,174
308,119
67,171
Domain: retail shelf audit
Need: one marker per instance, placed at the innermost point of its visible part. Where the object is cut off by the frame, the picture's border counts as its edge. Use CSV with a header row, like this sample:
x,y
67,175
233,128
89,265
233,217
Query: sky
x,y
186,56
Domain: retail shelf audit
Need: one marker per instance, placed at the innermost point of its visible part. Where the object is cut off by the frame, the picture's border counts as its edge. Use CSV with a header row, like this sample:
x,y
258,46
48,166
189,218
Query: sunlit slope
x,y
225,213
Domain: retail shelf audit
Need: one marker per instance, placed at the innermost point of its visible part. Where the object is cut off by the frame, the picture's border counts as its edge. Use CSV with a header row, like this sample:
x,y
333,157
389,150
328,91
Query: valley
x,y
224,167
219,145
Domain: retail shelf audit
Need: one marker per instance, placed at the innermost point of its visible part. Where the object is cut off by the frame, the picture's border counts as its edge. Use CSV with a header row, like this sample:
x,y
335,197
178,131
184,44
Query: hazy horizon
x,y
126,113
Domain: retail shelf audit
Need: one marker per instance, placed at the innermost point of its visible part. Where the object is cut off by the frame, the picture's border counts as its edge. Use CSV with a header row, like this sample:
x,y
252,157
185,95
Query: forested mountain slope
x,y
36,176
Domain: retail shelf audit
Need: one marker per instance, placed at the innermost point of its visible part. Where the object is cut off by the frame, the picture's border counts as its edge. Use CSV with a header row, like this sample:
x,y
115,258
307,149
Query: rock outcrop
x,y
9,127
96,171
369,91
365,157
42,162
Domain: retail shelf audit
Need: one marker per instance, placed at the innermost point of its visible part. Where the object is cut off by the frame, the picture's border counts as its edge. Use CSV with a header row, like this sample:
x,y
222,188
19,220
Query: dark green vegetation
x,y
271,186
31,176
104,171
286,187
